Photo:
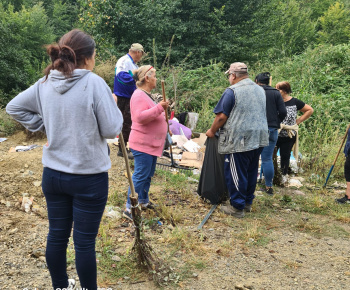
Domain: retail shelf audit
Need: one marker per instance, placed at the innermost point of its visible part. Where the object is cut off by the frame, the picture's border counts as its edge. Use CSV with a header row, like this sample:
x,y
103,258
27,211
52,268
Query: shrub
x,y
7,125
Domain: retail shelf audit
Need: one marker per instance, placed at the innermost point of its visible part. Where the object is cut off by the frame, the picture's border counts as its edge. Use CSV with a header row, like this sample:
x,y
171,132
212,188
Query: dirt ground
x,y
290,260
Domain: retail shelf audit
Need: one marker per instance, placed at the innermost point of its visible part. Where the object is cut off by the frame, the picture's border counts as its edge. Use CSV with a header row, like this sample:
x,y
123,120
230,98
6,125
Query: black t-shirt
x,y
293,106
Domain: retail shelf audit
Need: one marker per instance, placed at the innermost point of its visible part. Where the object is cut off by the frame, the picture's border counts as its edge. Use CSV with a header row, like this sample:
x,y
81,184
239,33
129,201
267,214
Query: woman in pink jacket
x,y
147,136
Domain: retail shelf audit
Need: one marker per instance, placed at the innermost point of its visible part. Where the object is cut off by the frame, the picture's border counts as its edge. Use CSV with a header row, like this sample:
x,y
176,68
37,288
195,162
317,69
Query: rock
x,y
240,287
113,212
294,183
37,183
27,203
27,173
116,258
298,192
11,232
38,253
39,210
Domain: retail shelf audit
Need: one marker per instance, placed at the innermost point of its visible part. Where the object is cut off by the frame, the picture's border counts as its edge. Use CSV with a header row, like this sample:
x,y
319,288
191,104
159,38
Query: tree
x,y
282,29
204,29
22,35
335,25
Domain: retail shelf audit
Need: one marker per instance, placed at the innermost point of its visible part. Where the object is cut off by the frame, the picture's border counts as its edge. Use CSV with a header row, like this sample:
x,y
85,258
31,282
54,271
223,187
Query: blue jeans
x,y
241,170
145,165
77,200
266,157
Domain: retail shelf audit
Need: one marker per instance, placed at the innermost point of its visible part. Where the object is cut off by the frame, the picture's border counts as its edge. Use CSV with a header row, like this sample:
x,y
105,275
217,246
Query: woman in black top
x,y
293,105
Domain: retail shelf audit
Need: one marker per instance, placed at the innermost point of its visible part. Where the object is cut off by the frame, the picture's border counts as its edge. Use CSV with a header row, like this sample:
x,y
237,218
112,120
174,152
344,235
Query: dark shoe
x,y
248,208
229,209
269,190
149,205
120,154
343,200
127,215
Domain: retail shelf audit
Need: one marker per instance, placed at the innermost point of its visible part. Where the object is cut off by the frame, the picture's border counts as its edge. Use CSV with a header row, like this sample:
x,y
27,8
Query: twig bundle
x,y
146,257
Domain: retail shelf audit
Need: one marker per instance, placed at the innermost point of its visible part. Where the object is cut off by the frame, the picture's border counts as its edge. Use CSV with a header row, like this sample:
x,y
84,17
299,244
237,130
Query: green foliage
x,y
205,29
7,125
282,29
335,25
320,77
196,87
22,35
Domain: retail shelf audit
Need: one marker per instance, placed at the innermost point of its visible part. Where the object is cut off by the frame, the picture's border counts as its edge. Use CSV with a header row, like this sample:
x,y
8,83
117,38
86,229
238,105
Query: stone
x,y
37,183
116,258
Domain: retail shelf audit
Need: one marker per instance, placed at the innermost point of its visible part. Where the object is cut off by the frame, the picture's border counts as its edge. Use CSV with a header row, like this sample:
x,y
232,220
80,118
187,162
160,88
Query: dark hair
x,y
70,52
284,86
263,78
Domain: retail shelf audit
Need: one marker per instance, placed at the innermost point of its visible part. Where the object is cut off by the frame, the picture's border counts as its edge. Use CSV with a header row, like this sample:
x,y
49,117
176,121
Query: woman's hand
x,y
307,112
115,98
165,105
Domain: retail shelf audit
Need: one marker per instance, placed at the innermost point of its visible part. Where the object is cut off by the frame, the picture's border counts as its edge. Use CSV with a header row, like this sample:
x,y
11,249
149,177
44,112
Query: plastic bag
x,y
212,185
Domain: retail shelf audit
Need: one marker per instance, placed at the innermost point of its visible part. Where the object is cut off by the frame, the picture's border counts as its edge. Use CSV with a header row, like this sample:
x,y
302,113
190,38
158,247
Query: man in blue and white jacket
x,y
124,86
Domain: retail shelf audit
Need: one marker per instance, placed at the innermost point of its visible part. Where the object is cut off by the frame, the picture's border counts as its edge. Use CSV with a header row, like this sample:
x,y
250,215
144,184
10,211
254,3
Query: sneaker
x,y
269,190
343,200
71,284
150,205
230,210
248,208
127,215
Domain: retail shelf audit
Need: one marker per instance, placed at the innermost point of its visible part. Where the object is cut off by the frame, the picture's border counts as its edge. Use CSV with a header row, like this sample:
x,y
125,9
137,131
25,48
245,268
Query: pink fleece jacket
x,y
149,127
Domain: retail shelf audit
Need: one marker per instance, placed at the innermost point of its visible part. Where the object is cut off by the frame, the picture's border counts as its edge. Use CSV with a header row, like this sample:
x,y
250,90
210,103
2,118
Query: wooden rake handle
x,y
128,171
164,99
342,143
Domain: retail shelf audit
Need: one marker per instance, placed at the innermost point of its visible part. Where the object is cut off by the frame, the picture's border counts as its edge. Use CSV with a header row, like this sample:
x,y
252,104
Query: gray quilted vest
x,y
246,127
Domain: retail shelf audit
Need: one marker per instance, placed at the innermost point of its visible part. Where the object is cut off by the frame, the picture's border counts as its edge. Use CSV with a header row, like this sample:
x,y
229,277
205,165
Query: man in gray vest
x,y
241,118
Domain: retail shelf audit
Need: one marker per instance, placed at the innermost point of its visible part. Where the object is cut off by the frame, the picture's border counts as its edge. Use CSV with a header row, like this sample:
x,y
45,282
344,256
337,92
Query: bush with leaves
x,y
22,36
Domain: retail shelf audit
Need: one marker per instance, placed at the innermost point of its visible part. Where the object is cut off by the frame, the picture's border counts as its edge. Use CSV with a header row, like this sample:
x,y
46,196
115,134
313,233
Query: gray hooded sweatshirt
x,y
77,114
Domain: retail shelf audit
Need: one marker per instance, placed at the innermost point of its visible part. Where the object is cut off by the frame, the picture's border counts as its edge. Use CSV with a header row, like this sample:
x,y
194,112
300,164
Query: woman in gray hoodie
x,y
76,110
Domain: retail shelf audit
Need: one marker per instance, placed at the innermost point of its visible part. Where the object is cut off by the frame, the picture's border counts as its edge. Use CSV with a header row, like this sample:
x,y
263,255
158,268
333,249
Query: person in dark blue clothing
x,y
346,198
275,112
125,85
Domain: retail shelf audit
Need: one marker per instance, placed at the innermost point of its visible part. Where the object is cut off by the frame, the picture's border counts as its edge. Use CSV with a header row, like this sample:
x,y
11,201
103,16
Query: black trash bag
x,y
212,185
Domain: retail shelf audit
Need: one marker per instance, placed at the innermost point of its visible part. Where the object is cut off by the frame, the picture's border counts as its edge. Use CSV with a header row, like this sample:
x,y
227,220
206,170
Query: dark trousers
x,y
124,107
347,169
77,200
285,145
241,171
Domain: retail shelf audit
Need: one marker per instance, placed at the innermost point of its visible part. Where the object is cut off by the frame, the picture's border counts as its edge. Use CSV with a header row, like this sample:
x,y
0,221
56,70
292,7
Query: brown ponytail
x,y
70,52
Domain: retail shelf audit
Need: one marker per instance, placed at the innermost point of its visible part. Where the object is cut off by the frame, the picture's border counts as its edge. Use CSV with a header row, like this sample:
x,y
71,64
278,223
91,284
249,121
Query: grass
x,y
189,251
